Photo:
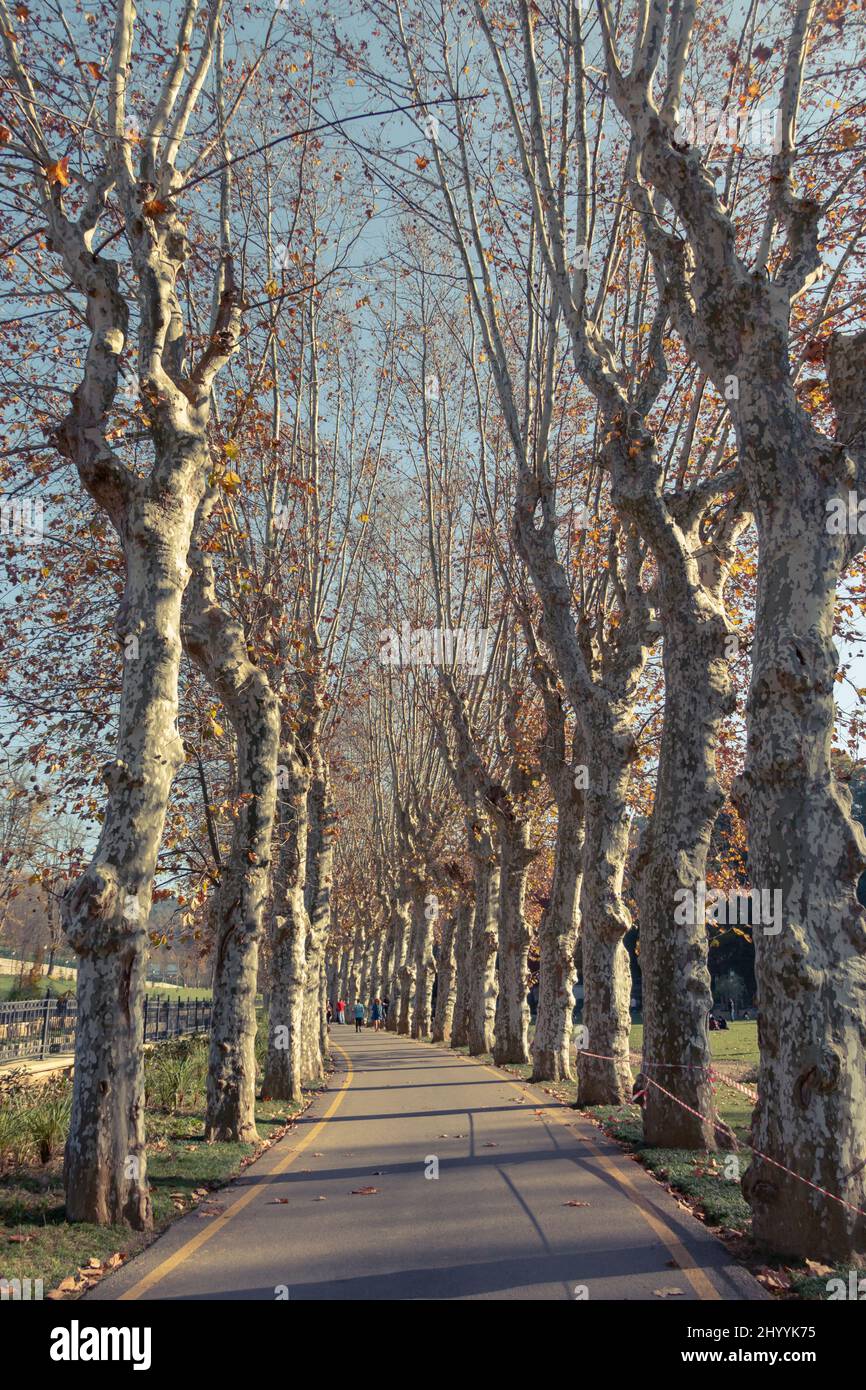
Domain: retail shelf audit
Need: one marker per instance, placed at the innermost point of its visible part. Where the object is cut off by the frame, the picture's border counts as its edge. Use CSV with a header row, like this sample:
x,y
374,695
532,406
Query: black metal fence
x,y
45,1027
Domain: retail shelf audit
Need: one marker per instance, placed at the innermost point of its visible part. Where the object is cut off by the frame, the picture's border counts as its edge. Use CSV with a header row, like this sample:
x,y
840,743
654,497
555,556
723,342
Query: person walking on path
x,y
376,1015
359,1017
341,1011
386,1004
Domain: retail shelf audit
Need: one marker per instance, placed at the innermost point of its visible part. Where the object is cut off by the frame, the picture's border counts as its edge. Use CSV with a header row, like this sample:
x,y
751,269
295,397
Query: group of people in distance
x,y
378,1013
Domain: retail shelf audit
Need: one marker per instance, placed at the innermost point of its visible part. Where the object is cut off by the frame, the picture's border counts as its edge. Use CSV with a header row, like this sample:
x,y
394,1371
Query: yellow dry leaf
x,y
58,172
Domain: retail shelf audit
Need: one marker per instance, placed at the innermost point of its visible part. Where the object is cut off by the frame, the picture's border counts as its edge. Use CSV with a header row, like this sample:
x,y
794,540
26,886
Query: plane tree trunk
x,y
288,928
217,644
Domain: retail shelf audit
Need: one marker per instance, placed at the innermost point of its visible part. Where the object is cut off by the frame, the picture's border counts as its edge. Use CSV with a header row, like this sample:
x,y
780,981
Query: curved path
x,y
495,1223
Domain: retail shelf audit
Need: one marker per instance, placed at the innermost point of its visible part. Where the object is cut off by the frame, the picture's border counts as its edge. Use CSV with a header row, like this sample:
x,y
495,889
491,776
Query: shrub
x,y
48,1117
15,1138
175,1074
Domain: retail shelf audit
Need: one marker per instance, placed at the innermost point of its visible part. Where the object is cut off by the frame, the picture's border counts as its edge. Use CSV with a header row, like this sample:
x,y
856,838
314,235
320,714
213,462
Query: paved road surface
x,y
493,1225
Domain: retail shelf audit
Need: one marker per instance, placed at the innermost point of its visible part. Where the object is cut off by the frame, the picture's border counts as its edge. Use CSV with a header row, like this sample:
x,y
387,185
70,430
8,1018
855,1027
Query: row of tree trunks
x,y
462,966
734,316
446,980
217,643
318,888
557,938
485,939
425,913
511,1018
401,927
289,928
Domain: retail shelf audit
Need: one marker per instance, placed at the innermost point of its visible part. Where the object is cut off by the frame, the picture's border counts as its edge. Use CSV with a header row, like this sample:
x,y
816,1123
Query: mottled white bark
x,y
288,931
424,923
318,888
105,912
462,969
446,982
511,1020
402,919
485,938
343,979
677,994
811,1111
557,936
354,990
604,1078
409,969
217,643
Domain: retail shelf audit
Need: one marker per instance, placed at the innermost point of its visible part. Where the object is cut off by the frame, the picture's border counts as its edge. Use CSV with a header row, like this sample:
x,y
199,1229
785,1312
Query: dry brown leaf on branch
x,y
58,172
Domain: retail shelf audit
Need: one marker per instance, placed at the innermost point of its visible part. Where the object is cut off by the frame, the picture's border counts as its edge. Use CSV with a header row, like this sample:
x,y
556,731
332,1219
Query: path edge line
x,y
172,1262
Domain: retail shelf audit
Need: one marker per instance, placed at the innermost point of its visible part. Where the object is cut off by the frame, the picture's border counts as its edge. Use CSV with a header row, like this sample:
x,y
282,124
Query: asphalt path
x,y
485,1188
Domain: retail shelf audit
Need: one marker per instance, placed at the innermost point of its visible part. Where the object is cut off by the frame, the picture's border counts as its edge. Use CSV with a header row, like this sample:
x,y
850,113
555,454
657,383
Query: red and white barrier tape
x,y
757,1152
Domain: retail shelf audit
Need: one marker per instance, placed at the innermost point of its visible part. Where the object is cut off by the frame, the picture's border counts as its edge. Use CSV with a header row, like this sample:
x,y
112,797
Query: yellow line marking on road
x,y
157,1274
702,1285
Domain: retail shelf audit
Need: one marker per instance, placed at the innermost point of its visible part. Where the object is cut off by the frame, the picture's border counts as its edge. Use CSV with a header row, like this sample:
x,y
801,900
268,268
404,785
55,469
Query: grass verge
x,y
36,1240
709,1184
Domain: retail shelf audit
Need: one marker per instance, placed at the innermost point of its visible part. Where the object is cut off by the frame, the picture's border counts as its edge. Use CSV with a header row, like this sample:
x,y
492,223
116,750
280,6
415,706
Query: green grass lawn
x,y
9,983
37,1242
738,1044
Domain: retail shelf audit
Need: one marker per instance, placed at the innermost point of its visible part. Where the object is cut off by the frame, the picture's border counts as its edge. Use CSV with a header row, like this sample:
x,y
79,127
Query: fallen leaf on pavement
x,y
572,1203
773,1278
364,1191
666,1292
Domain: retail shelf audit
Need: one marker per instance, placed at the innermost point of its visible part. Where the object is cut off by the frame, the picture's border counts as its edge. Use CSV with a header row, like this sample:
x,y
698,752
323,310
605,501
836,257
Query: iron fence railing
x,y
44,1027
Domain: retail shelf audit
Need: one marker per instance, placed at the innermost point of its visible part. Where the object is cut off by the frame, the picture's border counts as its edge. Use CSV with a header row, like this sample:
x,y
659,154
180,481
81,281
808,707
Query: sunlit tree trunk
x,y
446,982
319,882
288,931
462,969
485,937
402,910
217,643
425,968
557,935
511,1022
